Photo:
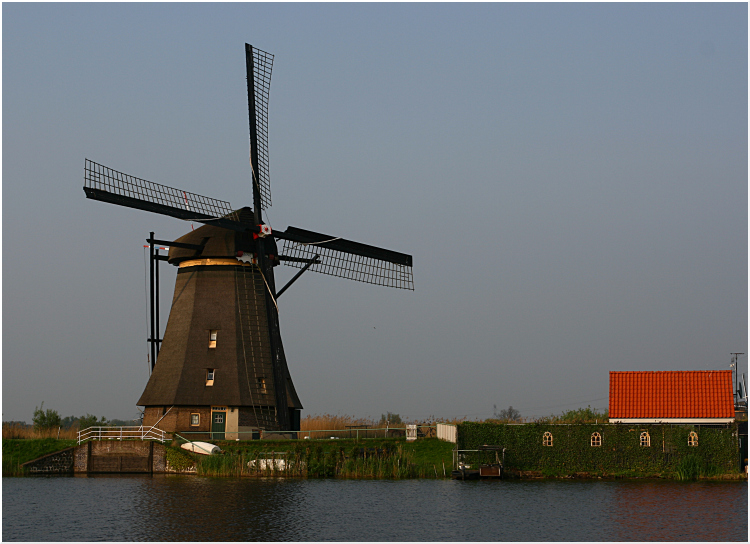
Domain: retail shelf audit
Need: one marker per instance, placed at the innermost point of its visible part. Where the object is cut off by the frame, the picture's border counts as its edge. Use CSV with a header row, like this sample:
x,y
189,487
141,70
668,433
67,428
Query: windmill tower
x,y
221,367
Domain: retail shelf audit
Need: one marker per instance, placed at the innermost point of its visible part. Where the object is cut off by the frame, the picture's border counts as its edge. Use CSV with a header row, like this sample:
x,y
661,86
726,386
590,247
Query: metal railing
x,y
122,433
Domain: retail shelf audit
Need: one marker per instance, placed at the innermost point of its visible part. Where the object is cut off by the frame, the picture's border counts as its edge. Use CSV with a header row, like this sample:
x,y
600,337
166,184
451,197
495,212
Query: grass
x,y
18,451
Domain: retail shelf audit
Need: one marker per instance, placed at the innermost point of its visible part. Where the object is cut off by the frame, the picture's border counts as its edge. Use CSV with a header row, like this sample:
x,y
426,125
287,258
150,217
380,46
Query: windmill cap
x,y
218,242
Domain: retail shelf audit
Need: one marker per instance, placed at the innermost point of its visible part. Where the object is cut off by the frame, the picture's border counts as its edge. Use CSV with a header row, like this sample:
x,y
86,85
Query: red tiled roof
x,y
671,394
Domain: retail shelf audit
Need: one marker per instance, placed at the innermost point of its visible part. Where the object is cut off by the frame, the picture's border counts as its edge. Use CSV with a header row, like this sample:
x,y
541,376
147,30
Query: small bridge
x,y
120,450
108,450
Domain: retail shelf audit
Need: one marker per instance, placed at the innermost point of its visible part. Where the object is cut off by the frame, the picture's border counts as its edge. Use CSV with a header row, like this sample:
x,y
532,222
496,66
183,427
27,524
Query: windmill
x,y
220,367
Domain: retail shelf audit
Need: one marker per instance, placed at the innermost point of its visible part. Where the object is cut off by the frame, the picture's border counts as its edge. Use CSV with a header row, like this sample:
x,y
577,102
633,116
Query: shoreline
x,y
380,459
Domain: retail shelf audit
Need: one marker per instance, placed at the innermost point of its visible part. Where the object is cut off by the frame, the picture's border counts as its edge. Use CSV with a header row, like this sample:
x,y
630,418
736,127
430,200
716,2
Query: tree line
x,y
51,419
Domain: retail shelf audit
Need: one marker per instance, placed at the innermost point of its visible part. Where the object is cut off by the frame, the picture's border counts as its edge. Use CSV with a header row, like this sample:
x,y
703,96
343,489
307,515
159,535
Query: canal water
x,y
170,508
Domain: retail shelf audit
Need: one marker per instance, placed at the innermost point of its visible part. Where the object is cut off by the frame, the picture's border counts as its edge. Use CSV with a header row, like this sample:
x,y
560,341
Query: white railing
x,y
122,433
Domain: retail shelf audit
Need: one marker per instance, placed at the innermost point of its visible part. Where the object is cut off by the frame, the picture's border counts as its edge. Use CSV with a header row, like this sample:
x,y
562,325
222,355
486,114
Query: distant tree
x,y
68,421
48,419
582,415
84,422
509,414
124,422
390,417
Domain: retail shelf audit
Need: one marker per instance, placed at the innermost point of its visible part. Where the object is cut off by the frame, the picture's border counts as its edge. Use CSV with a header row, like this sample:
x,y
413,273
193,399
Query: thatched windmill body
x,y
220,367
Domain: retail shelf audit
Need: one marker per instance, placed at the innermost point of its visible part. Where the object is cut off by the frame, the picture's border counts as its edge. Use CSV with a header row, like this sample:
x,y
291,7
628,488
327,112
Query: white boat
x,y
201,447
268,464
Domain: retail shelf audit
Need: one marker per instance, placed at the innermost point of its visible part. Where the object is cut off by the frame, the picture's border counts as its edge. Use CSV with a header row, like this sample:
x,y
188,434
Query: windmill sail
x,y
346,259
108,185
259,65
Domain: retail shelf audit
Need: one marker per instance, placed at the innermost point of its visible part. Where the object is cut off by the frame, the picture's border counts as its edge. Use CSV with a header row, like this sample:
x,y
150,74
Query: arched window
x,y
645,440
596,440
547,439
693,439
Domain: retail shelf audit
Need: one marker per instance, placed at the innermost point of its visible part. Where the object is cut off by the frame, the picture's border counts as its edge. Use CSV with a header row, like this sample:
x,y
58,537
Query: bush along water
x,y
618,450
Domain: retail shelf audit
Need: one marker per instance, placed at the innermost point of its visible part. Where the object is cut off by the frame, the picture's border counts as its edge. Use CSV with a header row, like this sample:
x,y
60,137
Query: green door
x,y
218,425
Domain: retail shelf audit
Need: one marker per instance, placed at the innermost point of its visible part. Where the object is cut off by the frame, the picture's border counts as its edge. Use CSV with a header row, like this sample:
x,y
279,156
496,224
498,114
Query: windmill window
x,y
547,439
212,338
210,376
262,385
195,420
693,439
596,440
645,440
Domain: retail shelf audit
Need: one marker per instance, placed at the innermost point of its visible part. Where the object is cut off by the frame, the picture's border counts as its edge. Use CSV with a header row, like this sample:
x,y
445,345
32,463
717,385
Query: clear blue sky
x,y
571,180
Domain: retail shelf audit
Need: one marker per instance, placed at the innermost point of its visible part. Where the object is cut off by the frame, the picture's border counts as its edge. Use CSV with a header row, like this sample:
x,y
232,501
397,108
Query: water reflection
x,y
685,511
178,508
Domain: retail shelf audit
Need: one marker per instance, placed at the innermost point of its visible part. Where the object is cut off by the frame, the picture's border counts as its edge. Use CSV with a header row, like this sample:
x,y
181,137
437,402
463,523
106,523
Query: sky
x,y
571,180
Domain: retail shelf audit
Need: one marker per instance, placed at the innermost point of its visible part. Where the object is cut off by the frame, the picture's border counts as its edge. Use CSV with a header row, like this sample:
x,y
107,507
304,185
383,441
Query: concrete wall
x,y
118,456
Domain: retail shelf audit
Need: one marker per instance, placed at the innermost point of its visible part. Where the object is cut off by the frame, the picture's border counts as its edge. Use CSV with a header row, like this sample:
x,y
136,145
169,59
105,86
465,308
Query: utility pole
x,y
735,357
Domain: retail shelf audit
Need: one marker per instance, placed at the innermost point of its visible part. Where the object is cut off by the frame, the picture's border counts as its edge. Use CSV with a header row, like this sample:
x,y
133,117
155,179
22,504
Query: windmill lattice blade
x,y
344,264
262,65
106,184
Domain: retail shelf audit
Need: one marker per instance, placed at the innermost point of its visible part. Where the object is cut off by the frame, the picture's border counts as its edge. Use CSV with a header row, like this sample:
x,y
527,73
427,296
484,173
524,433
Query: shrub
x,y
509,414
391,418
44,420
84,422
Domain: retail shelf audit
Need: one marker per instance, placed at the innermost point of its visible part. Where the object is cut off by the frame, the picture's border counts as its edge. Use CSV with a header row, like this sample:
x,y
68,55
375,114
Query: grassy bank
x,y
19,451
375,458
366,458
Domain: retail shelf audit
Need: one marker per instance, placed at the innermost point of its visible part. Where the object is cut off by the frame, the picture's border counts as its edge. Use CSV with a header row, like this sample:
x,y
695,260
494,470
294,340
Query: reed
x,y
12,466
365,459
329,422
219,465
691,467
19,431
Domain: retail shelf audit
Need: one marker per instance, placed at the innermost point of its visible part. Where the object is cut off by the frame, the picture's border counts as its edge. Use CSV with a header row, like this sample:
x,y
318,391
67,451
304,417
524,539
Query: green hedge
x,y
620,451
